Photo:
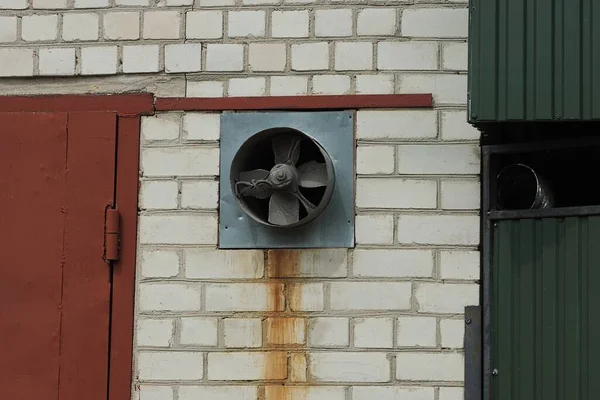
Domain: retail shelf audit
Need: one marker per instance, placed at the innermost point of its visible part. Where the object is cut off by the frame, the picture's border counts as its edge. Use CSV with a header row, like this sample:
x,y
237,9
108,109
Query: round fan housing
x,y
282,178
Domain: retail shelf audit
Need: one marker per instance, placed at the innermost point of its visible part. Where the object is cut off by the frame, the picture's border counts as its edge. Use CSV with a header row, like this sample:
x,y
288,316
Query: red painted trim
x,y
295,102
124,104
123,299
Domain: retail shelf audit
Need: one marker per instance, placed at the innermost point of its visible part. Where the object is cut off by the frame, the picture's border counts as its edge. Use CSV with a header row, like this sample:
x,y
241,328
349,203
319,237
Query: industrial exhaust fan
x,y
287,180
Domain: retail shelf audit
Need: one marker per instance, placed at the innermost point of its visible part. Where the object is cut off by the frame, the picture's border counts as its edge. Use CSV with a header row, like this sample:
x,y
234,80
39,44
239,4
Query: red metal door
x,y
57,177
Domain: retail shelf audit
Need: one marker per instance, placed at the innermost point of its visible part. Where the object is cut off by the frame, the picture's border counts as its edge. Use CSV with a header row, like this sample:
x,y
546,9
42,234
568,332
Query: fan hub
x,y
283,176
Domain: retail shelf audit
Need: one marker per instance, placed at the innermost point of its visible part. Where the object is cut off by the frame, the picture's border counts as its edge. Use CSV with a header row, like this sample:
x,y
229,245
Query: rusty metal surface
x,y
335,226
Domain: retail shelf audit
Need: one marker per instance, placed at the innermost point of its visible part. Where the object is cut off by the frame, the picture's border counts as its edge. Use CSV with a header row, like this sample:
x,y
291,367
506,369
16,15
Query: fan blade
x,y
286,148
247,186
254,175
312,174
283,209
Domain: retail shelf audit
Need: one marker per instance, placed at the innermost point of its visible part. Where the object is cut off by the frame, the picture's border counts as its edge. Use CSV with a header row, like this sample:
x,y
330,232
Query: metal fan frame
x,y
334,228
239,160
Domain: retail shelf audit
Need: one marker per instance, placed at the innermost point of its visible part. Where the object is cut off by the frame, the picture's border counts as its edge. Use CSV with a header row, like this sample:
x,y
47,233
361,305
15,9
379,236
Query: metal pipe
x,y
520,187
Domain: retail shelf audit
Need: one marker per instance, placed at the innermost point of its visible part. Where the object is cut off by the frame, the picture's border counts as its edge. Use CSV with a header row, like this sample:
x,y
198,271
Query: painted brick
x,y
204,89
407,55
446,88
374,84
351,56
189,161
99,60
161,127
331,84
267,56
8,29
13,5
40,28
159,263
438,159
166,366
155,332
298,367
376,21
375,160
180,2
16,62
350,367
204,25
333,22
199,331
455,126
326,263
304,393
217,393
306,297
451,393
224,57
374,229
169,297
183,58
396,124
178,229
138,59
245,297
310,56
329,332
200,194
158,195
370,295
289,24
216,3
435,22
247,366
455,56
446,297
154,393
49,4
223,264
132,2
392,393
161,25
80,27
242,87
400,193
91,3
246,23
452,333
393,263
373,333
285,331
439,229
57,61
430,366
416,332
460,195
242,332
459,265
289,85
122,25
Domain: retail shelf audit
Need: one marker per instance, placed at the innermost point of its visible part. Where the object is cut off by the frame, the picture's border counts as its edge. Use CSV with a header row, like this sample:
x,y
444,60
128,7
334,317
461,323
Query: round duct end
x,y
519,187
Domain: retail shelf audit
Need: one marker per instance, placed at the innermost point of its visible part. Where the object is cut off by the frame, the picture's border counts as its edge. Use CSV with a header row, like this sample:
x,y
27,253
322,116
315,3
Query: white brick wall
x,y
379,321
383,319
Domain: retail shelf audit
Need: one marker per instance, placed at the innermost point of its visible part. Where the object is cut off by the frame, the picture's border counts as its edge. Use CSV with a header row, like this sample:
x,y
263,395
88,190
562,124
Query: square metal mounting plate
x,y
334,130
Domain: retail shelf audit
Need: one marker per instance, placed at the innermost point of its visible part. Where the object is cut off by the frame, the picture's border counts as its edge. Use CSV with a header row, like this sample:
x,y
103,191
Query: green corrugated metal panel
x,y
546,299
534,60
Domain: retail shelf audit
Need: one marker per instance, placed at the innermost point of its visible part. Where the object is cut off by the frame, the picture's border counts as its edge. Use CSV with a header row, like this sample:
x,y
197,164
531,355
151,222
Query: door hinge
x,y
112,235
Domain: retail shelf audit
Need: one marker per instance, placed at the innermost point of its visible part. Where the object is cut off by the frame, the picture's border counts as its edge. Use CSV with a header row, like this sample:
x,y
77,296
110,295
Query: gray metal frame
x,y
334,130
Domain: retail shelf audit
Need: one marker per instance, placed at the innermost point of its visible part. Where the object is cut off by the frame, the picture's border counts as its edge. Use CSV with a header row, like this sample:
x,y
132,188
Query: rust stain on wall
x,y
285,329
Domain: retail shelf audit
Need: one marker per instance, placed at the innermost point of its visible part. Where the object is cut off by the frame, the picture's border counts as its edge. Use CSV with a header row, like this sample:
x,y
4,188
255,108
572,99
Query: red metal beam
x,y
123,104
295,102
